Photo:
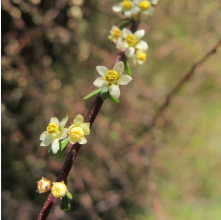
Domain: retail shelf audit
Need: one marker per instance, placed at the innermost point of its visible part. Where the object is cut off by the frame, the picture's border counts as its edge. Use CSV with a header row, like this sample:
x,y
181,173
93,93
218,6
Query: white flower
x,y
112,78
78,130
133,42
139,57
55,132
144,6
126,6
115,34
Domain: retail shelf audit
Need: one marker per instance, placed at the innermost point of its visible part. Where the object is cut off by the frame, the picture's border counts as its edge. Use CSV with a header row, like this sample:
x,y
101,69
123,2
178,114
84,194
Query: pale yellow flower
x,y
78,130
43,185
59,189
55,132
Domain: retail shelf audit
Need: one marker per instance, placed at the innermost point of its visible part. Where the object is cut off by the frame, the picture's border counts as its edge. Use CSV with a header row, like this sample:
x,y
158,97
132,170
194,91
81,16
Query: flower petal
x,y
102,70
126,32
142,45
119,67
86,128
128,14
83,140
69,129
78,120
117,8
55,146
43,135
63,122
54,120
100,82
42,144
139,34
141,62
114,91
72,139
64,134
48,139
124,79
130,51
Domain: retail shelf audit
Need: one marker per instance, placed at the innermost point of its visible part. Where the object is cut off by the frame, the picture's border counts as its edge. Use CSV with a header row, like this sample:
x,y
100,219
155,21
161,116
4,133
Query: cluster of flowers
x,y
133,9
56,131
134,47
58,189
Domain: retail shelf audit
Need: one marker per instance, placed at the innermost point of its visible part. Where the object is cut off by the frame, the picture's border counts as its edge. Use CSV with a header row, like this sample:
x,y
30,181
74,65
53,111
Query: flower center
x,y
130,39
116,32
77,132
142,56
127,4
52,128
144,5
111,76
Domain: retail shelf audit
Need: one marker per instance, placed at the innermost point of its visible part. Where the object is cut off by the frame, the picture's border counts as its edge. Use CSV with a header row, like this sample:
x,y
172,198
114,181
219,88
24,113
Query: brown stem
x,y
76,147
182,82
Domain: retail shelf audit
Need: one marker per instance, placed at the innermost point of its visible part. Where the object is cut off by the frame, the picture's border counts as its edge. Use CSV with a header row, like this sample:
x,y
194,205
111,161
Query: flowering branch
x,y
130,45
76,147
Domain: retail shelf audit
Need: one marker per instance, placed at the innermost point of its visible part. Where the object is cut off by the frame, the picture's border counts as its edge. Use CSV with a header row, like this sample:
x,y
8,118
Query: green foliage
x,y
113,99
62,146
92,94
65,204
104,92
127,67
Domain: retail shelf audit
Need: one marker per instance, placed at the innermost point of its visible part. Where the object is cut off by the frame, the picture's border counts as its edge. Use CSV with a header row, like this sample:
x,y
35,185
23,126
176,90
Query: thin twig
x,y
182,82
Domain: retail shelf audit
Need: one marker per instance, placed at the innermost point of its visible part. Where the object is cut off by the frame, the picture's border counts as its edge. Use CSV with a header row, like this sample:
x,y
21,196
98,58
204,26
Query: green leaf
x,y
50,152
120,21
68,194
124,25
92,94
127,67
64,204
113,99
62,147
104,92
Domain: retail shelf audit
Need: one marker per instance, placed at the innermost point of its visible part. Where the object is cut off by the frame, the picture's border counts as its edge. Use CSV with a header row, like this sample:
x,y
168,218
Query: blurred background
x,y
126,171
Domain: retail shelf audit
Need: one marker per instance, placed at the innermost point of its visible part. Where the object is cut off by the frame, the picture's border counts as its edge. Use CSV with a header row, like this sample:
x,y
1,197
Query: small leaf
x,y
113,99
120,21
124,25
64,204
63,144
68,194
92,94
50,152
127,67
62,147
104,92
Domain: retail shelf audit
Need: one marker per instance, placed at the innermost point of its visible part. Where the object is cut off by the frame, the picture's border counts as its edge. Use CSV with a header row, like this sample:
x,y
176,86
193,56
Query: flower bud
x,y
59,189
43,185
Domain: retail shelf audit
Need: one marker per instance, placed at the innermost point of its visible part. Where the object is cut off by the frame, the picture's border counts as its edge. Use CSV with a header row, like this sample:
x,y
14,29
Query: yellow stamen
x,y
127,4
77,132
116,32
142,56
144,5
111,76
52,128
130,39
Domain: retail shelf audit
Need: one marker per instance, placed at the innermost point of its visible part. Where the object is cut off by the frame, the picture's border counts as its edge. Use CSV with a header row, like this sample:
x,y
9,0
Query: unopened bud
x,y
59,189
43,185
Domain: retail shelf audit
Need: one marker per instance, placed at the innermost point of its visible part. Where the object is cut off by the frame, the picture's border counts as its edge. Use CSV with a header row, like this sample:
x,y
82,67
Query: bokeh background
x,y
172,171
